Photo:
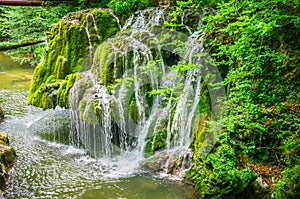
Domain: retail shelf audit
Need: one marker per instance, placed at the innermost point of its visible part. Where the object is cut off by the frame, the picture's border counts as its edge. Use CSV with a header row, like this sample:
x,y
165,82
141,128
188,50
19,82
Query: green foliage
x,y
175,22
255,46
125,8
218,174
289,185
249,49
19,24
209,3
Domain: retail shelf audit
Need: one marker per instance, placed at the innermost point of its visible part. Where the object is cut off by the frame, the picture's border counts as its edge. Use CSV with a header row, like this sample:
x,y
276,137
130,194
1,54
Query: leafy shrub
x,y
124,8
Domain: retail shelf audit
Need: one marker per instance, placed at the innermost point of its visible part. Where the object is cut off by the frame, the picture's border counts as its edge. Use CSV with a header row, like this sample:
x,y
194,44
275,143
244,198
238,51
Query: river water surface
x,y
45,169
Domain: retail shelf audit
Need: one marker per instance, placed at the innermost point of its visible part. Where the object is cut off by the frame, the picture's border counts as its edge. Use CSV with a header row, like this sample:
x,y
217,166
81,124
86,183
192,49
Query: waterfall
x,y
90,18
123,117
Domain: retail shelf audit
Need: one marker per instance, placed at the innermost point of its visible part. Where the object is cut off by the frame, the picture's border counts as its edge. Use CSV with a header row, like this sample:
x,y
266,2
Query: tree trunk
x,y
29,43
22,2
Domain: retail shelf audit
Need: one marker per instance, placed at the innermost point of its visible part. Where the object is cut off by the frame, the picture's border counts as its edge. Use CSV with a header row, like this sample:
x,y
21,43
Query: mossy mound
x,y
68,47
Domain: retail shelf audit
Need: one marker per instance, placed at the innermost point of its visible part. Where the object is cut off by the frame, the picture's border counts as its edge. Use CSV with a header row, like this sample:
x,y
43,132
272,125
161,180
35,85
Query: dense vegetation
x,y
30,25
34,22
256,46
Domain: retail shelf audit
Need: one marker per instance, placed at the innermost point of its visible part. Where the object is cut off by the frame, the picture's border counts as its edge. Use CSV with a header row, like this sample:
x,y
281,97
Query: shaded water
x,y
12,76
46,169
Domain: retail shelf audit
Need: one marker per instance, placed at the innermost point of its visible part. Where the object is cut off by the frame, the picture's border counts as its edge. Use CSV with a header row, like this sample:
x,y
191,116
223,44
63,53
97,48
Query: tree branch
x,y
22,2
29,43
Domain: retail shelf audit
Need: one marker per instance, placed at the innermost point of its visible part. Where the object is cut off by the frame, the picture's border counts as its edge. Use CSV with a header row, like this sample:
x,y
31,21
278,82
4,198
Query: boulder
x,y
7,157
173,162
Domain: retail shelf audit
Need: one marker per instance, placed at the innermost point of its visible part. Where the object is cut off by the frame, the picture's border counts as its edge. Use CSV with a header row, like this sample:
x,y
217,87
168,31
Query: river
x,y
45,169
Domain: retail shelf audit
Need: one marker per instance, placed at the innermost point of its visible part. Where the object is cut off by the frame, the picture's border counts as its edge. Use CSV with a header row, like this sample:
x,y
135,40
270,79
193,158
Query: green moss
x,y
68,47
106,65
82,105
218,174
289,185
106,23
133,111
65,88
155,142
215,173
90,112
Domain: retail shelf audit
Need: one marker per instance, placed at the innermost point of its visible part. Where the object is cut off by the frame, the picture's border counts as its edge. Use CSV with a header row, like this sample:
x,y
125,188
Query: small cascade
x,y
182,22
144,20
91,129
171,164
117,19
183,111
178,161
122,118
90,41
128,23
90,18
104,103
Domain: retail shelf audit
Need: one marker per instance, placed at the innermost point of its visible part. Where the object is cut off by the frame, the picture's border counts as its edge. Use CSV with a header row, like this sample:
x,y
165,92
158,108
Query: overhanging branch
x,y
29,43
22,2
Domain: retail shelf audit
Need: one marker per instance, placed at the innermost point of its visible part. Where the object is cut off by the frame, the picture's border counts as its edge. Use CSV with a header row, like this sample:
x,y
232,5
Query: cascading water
x,y
122,117
90,19
115,122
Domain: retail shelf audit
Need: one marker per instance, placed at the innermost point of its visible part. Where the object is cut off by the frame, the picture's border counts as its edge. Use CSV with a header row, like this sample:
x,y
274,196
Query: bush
x,y
125,8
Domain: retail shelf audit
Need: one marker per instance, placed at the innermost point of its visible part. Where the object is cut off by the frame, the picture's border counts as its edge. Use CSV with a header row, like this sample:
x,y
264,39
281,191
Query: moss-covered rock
x,y
68,46
7,157
172,162
3,138
133,111
216,172
218,175
156,142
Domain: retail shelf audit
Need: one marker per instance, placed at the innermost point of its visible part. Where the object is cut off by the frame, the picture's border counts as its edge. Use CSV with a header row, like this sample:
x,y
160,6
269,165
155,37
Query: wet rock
x,y
7,157
3,138
173,163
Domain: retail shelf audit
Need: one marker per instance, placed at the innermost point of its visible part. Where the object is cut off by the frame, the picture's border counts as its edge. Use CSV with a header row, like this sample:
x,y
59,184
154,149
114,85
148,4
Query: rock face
x,y
7,157
70,42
